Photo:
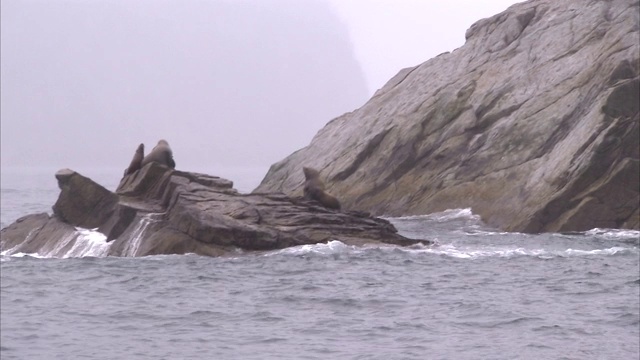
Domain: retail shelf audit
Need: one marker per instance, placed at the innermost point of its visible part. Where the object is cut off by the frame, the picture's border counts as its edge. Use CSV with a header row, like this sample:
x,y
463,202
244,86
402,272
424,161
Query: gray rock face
x,y
158,210
533,123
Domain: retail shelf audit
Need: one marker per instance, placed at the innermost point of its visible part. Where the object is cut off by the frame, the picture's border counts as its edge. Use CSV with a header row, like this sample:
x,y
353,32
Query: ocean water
x,y
478,294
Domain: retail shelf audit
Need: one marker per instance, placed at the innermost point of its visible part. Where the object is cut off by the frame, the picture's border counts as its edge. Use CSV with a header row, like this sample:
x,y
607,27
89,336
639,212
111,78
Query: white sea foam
x,y
610,251
9,252
473,253
82,242
331,247
614,234
16,249
89,243
493,233
451,250
34,255
133,245
58,246
454,214
455,251
443,216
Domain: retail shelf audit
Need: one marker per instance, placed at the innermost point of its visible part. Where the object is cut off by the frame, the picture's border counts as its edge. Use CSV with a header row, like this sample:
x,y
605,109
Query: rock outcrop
x,y
158,210
533,123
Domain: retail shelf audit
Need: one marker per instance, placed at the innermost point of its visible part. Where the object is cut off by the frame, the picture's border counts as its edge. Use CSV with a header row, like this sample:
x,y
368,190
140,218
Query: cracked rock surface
x,y
157,210
533,123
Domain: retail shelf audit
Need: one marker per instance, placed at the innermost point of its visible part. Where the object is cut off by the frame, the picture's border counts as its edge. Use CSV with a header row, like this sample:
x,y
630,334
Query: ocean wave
x,y
81,243
475,232
89,242
6,256
451,250
613,234
329,248
610,251
443,216
472,225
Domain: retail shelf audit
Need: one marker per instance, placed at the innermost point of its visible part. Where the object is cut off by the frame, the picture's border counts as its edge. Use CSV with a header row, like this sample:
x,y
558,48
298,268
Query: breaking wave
x,y
331,247
453,251
462,252
614,234
466,238
465,214
81,243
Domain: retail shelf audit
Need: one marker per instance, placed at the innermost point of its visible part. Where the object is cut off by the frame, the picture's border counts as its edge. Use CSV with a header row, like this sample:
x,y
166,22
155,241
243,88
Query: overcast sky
x,y
389,35
233,85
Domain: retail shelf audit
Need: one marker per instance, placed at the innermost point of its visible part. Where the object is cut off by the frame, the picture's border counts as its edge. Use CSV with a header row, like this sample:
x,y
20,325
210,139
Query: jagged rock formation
x,y
533,123
157,210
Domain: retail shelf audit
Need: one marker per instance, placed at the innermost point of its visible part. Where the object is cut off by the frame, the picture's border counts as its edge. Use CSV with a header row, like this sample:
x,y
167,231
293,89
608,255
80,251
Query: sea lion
x,y
161,154
314,189
136,162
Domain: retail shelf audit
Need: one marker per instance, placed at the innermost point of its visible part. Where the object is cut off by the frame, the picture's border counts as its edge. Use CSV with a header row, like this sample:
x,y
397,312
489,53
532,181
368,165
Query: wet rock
x,y
82,202
158,210
533,123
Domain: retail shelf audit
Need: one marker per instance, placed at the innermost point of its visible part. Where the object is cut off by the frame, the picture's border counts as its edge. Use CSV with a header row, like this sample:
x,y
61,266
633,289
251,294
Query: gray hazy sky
x,y
233,85
389,35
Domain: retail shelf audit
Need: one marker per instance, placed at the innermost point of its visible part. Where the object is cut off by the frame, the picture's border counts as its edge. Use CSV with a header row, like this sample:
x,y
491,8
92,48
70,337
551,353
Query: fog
x,y
389,35
229,84
234,86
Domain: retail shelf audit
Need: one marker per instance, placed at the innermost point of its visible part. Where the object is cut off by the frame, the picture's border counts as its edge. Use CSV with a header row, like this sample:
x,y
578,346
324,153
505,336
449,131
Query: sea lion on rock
x,y
161,154
136,162
314,189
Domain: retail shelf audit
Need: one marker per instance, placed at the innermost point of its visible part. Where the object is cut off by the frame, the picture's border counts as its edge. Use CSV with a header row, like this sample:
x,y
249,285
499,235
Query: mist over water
x,y
234,86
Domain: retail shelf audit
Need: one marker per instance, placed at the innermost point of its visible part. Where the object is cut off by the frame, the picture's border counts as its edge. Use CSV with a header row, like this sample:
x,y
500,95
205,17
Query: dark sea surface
x,y
478,294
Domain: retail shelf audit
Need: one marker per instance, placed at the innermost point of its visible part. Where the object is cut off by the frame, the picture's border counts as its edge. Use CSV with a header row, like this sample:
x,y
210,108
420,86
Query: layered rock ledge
x,y
533,123
157,210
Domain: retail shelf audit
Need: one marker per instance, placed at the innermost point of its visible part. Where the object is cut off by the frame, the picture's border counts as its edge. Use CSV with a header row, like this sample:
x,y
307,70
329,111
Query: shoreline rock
x,y
158,210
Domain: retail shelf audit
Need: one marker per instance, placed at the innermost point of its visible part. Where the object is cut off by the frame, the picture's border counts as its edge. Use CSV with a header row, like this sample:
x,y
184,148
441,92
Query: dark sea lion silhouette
x,y
161,154
314,189
136,162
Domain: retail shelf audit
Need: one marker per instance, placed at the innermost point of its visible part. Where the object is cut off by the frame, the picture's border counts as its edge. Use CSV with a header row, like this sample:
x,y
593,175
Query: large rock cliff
x,y
533,123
